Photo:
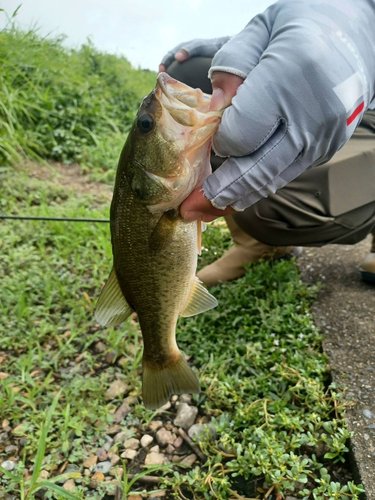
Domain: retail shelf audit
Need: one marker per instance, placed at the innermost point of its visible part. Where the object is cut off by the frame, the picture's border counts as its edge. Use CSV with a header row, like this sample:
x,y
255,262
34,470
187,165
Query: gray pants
x,y
332,203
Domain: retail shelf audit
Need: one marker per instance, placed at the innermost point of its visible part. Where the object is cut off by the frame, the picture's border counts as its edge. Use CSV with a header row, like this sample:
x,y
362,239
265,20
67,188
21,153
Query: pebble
x,y
129,454
8,465
146,440
367,414
3,437
5,423
121,413
290,498
96,478
185,398
165,407
44,474
3,375
134,497
155,459
116,389
108,443
155,448
100,347
102,454
114,429
110,357
115,459
189,460
170,449
131,444
164,437
71,468
11,449
103,467
174,398
87,472
185,415
90,461
69,485
200,430
118,471
120,436
371,426
178,442
155,425
158,494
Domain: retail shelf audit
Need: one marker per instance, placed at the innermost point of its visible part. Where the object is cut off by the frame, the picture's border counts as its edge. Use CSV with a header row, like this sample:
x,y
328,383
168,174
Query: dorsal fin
x,y
112,308
200,300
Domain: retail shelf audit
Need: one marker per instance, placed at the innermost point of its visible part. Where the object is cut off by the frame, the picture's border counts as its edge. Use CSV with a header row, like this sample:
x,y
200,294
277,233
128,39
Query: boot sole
x,y
368,277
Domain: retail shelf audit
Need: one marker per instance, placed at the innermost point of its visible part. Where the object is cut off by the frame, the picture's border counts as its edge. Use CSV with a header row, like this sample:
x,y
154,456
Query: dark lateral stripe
x,y
355,113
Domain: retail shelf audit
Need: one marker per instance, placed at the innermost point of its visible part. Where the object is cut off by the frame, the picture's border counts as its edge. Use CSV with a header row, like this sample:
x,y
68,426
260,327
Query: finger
x,y
217,100
197,206
181,55
225,87
162,68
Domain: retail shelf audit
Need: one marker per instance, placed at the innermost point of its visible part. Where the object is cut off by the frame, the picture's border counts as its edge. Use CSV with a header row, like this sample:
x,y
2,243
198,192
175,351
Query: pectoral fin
x,y
200,300
112,308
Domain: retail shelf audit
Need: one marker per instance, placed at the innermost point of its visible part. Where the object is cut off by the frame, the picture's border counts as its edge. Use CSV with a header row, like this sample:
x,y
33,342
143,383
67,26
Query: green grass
x,y
63,104
265,384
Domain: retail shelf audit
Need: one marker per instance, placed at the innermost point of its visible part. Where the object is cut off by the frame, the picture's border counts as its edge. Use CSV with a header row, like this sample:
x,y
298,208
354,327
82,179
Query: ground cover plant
x,y
275,425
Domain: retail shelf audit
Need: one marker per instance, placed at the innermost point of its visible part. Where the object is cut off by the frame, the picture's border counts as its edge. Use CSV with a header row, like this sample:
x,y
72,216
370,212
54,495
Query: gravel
x,y
186,416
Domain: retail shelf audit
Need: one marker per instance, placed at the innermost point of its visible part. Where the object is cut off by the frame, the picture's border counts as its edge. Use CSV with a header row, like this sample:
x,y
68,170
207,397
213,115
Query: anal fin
x,y
112,307
200,300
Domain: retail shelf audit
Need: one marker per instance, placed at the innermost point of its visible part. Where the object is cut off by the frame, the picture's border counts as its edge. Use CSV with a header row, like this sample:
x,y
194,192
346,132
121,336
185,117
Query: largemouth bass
x,y
165,157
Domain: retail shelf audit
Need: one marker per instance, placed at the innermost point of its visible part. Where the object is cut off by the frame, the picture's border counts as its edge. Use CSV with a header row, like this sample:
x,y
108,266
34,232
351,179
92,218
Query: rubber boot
x,y
367,268
244,251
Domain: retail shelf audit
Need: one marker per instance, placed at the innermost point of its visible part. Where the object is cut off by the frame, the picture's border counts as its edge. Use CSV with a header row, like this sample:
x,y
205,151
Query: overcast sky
x,y
142,30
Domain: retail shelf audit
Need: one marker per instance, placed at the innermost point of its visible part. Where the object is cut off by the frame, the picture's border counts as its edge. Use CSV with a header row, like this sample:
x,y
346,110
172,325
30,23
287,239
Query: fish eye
x,y
145,124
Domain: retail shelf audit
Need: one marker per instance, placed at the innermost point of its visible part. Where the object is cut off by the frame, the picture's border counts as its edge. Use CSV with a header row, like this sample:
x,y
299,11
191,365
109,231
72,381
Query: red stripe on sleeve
x,y
355,113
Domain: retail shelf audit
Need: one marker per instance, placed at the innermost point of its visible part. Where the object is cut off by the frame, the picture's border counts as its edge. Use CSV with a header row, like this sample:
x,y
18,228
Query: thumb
x,y
225,87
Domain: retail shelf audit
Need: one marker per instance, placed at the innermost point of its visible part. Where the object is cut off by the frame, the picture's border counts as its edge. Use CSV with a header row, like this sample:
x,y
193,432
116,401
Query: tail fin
x,y
160,383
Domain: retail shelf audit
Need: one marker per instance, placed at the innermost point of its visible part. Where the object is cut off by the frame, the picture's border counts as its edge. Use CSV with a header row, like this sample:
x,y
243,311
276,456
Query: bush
x,y
63,104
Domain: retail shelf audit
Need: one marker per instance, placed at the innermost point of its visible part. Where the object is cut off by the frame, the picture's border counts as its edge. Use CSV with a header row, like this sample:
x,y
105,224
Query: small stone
x,y
165,407
122,362
100,347
131,444
164,437
366,437
174,398
129,454
371,426
176,458
116,389
146,440
155,448
155,459
3,437
98,477
185,416
155,425
22,442
135,497
110,357
114,429
185,398
108,443
115,459
3,375
44,474
69,485
8,465
71,468
170,449
158,494
11,449
5,423
103,467
118,471
367,414
102,454
189,460
91,461
87,472
197,431
121,413
178,442
290,498
121,436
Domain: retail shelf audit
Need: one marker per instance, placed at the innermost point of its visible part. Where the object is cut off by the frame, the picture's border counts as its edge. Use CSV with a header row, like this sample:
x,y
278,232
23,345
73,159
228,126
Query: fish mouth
x,y
177,93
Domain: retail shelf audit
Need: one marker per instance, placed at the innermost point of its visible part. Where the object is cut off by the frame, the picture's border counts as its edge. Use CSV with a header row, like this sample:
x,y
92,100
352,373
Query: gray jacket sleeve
x,y
309,69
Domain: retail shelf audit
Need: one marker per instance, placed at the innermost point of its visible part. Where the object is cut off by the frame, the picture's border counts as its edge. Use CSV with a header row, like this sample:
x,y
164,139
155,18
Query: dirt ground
x,y
345,312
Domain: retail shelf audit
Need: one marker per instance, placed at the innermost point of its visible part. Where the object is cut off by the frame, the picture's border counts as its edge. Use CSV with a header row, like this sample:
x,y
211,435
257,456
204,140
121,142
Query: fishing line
x,y
58,219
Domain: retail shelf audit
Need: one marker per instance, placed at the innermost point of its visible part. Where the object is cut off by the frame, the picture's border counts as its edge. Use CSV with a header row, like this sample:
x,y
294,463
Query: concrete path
x,y
345,312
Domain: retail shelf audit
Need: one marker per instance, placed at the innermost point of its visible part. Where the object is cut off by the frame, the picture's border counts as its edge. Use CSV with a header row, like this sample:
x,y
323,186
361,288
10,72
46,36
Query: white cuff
x,y
227,69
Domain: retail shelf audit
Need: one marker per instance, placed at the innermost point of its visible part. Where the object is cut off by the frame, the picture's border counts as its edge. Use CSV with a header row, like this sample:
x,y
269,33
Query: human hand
x,y
199,47
303,95
197,206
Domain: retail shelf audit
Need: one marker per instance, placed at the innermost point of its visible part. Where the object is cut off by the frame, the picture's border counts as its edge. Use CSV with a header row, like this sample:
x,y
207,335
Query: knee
x,y
193,72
